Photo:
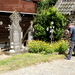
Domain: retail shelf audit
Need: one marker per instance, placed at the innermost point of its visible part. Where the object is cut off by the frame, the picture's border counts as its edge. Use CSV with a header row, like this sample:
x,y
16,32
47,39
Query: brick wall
x,y
18,5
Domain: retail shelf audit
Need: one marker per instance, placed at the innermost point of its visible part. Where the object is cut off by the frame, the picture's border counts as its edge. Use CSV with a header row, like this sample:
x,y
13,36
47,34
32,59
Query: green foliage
x,y
43,47
40,31
45,19
61,46
39,47
47,14
45,4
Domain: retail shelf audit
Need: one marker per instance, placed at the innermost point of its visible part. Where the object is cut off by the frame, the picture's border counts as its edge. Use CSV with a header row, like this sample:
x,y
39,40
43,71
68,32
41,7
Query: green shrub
x,y
43,47
44,20
62,46
39,47
39,32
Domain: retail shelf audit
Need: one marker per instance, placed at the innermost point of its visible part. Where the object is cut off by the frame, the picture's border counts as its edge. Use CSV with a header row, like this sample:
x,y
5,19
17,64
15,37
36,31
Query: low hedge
x,y
37,46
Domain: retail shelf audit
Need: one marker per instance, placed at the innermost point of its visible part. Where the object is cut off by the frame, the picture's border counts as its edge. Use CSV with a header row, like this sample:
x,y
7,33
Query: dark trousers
x,y
72,44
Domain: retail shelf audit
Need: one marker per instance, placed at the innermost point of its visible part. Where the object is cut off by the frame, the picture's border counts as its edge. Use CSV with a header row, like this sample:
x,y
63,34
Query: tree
x,y
45,4
39,32
44,20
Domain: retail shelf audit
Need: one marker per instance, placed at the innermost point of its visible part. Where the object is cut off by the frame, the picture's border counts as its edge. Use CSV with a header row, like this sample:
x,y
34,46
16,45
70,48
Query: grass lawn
x,y
24,60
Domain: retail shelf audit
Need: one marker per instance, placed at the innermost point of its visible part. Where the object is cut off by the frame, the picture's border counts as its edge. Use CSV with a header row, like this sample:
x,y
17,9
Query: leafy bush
x,y
40,32
45,4
61,46
43,47
39,47
45,19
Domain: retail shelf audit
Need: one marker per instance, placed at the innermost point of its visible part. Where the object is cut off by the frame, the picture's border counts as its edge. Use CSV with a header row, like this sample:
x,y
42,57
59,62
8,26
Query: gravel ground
x,y
3,56
56,67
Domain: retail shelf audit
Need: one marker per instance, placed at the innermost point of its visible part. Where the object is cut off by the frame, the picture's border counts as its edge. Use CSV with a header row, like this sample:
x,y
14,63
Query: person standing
x,y
71,34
